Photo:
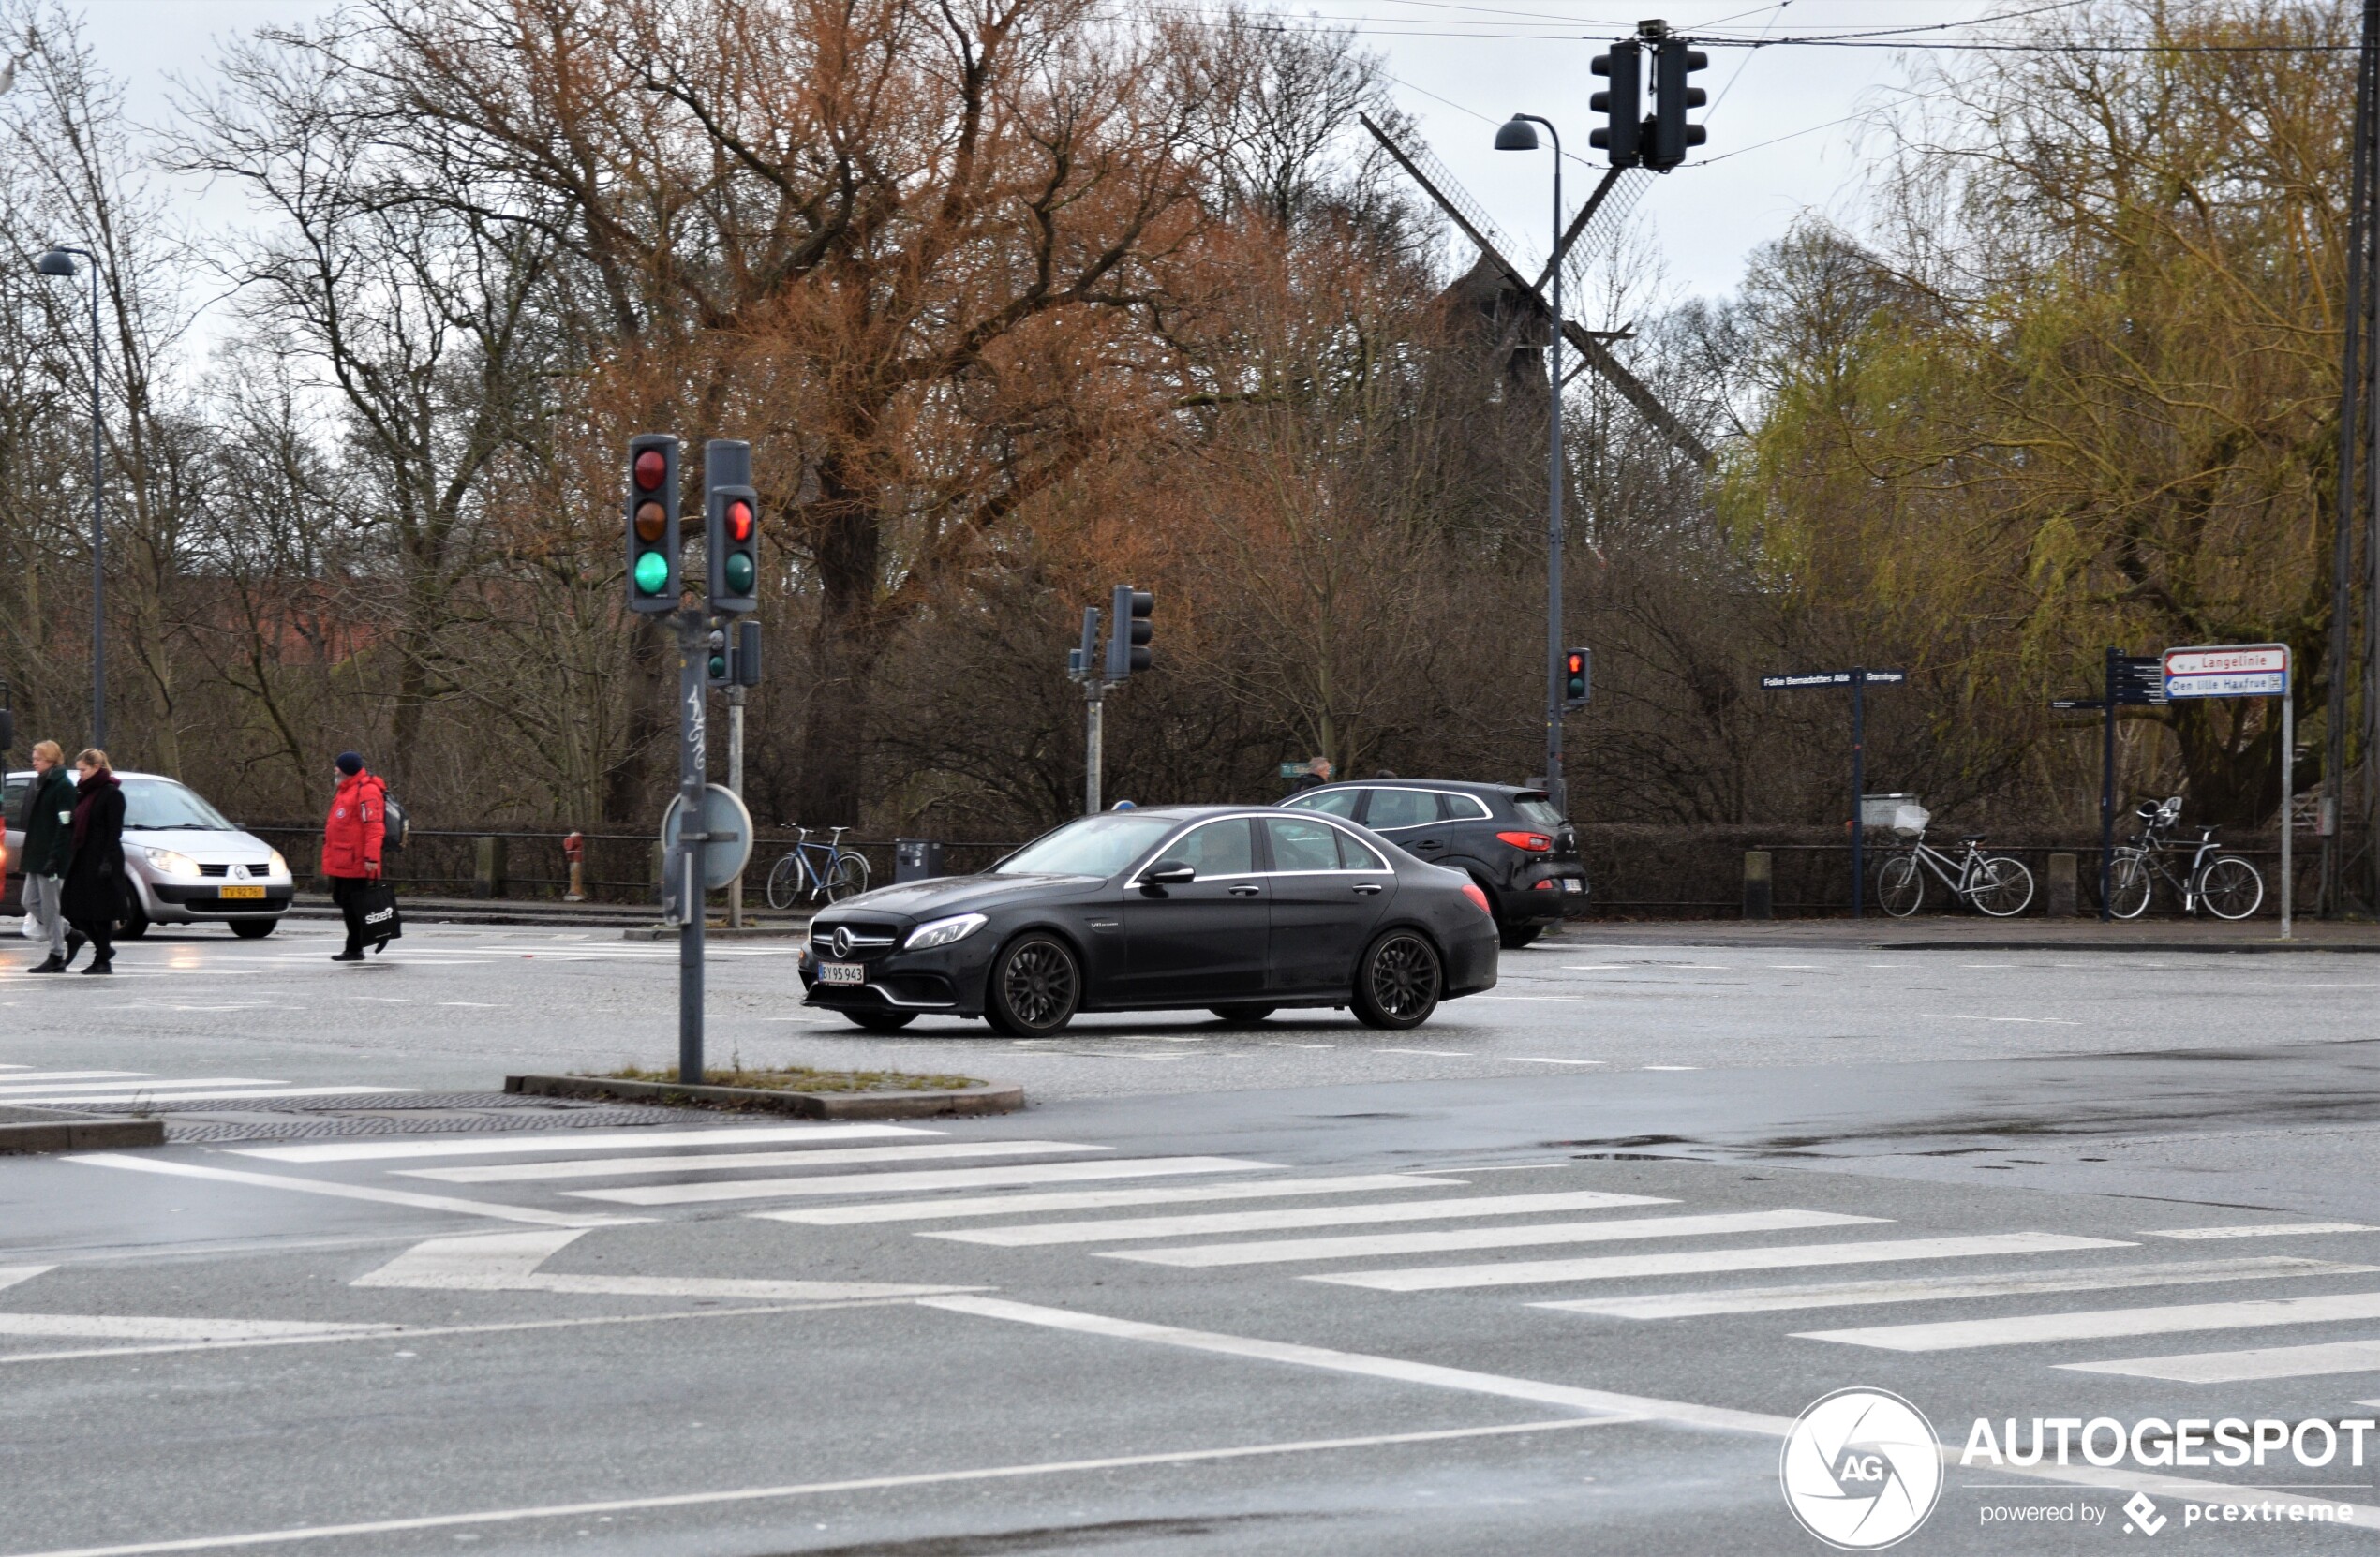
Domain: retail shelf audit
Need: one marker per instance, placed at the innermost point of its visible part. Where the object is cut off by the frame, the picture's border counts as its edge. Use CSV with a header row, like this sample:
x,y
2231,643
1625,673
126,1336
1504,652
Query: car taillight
x,y
1478,898
1545,886
1536,843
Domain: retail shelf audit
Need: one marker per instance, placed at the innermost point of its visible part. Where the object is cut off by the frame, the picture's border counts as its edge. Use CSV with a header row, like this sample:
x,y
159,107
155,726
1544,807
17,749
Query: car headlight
x,y
174,863
942,932
280,866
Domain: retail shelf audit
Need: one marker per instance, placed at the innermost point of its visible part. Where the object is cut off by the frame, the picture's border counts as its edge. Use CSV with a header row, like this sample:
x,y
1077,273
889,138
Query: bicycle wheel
x,y
785,882
2003,888
2231,888
2129,887
1900,887
847,876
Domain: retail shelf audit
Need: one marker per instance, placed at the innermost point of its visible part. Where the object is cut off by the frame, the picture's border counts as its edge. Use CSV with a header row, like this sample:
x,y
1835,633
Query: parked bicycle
x,y
1997,884
2229,887
810,871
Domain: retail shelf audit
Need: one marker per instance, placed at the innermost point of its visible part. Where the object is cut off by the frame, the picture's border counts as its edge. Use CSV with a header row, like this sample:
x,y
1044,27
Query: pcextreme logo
x,y
1861,1469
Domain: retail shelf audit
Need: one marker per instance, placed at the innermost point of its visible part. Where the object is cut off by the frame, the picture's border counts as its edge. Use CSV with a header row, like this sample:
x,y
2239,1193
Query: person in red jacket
x,y
351,841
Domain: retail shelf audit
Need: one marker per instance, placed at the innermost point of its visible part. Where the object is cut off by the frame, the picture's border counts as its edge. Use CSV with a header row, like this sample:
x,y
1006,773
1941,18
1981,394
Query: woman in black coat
x,y
94,862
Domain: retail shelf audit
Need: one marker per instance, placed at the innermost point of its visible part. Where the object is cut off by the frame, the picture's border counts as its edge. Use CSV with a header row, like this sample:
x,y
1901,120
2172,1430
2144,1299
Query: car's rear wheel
x,y
253,929
1517,935
1035,987
880,1021
1243,1016
1398,982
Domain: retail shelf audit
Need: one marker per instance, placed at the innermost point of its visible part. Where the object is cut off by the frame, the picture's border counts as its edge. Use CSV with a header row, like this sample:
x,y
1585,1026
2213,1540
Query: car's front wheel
x,y
253,929
1517,935
1036,985
1398,982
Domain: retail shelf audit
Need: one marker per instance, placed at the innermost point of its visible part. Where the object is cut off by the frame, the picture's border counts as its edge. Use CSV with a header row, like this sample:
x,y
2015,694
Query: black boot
x,y
76,941
53,963
353,953
101,965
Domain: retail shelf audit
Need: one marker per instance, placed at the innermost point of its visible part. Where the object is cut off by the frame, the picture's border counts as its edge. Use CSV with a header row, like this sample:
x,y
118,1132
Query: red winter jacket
x,y
352,837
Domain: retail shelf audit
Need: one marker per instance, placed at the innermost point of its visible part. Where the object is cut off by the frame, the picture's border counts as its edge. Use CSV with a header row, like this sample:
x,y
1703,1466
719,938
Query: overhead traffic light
x,y
1578,678
1673,62
652,522
730,527
1129,631
1623,103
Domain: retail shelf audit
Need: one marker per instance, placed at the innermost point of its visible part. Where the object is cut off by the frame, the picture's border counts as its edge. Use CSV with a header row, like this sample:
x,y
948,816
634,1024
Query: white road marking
x,y
573,1140
1434,1054
2100,1323
9,1083
2262,1362
166,1093
814,1489
15,1087
1540,1059
1558,1000
1790,1256
345,1191
1367,1245
945,1178
1283,1044
1092,1200
113,1326
713,1161
1963,1016
508,1262
2270,1230
1769,1299
11,1274
1670,1067
1610,1406
1118,1229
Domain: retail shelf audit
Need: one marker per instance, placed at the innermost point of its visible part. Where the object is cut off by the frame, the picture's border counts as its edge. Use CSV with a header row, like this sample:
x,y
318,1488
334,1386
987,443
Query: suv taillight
x,y
1534,843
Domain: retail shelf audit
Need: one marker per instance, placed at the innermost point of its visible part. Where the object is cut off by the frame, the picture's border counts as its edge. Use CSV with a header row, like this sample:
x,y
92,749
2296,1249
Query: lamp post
x,y
1518,134
59,260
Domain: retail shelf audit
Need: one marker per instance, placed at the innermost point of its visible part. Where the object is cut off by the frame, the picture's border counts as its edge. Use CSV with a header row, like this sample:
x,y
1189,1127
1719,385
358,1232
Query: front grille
x,y
867,939
258,869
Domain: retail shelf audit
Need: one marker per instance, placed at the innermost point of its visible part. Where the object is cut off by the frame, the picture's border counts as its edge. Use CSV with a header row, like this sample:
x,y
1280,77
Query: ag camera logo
x,y
1861,1469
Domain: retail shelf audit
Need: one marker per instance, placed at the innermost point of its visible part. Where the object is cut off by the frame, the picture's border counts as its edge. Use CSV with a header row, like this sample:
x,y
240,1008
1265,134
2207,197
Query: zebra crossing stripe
x,y
1095,1200
1702,1261
1118,1229
2266,1230
613,1168
890,1183
1827,1295
2263,1362
2100,1323
573,1140
1367,1245
165,1094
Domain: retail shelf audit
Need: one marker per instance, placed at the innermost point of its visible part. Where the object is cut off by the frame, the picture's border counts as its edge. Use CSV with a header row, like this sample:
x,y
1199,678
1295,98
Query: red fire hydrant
x,y
574,851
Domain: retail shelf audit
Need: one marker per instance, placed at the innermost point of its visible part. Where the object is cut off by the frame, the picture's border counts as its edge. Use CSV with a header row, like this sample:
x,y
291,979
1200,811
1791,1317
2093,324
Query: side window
x,y
12,799
1465,807
1356,854
1335,801
1299,845
1392,808
1217,848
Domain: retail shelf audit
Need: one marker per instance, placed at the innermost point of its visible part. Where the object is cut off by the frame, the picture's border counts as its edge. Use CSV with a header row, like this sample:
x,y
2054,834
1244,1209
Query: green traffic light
x,y
739,573
653,572
717,667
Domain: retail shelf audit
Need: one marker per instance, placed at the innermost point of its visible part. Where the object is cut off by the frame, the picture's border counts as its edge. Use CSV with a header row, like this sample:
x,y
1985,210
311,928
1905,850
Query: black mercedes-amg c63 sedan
x,y
1240,911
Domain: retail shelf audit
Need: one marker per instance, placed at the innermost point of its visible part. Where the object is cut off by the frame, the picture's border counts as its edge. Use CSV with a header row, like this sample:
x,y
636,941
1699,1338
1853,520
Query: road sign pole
x,y
735,782
1094,740
693,759
1859,785
2107,791
2288,795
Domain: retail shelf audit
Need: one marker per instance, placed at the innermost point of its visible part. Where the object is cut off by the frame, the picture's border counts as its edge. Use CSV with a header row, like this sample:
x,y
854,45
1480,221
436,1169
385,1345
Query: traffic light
x,y
1129,631
717,664
1578,678
1673,62
1623,103
652,522
730,527
745,671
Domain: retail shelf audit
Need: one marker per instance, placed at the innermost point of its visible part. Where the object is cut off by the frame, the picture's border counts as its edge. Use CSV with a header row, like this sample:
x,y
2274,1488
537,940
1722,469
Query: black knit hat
x,y
350,762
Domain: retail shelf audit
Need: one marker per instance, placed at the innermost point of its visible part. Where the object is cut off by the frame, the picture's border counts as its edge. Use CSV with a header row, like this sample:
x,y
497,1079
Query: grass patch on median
x,y
802,1078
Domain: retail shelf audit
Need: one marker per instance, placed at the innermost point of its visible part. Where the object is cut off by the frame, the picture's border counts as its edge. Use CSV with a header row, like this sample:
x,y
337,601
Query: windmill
x,y
1440,183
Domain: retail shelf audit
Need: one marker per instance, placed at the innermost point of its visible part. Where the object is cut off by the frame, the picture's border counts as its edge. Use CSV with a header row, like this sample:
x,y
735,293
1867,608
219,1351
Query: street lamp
x,y
59,260
1518,134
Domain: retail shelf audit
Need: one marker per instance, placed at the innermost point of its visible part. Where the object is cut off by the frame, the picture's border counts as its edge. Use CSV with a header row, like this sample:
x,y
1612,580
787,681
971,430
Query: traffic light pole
x,y
735,782
684,863
2107,790
1094,742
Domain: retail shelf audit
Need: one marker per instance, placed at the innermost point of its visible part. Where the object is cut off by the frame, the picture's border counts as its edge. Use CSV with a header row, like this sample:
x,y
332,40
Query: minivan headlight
x,y
280,866
174,863
942,932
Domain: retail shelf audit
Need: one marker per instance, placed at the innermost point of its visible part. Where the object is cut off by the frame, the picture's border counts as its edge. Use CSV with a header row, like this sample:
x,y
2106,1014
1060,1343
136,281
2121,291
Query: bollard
x,y
488,880
574,851
1759,897
2060,898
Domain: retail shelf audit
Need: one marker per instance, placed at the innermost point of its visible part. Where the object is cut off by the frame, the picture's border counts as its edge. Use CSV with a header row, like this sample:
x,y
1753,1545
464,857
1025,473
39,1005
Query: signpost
x,y
1858,679
2247,670
2130,680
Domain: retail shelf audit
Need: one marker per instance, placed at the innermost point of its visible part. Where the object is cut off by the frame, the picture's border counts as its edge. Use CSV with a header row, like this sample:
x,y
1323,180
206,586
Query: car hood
x,y
944,895
207,848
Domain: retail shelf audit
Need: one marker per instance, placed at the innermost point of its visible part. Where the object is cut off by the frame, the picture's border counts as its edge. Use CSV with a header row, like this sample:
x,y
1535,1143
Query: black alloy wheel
x,y
1398,982
880,1021
1035,987
1242,1016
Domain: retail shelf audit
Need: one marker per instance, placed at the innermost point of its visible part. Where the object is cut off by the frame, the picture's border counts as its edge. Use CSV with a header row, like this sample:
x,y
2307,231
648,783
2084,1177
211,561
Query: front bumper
x,y
171,901
949,980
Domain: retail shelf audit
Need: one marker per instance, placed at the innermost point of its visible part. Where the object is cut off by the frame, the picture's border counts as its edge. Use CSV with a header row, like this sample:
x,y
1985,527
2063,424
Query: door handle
x,y
1367,888
1245,891
1427,843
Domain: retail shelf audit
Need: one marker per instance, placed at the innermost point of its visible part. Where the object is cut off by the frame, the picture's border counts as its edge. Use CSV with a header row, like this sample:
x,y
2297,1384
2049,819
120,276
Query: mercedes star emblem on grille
x,y
842,941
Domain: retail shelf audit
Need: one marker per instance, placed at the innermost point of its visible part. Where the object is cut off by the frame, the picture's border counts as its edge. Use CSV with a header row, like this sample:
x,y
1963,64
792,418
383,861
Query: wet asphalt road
x,y
2139,1186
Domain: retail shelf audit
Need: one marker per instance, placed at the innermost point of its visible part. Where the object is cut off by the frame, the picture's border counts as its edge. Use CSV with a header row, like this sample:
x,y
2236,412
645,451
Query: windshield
x,y
1089,846
1537,810
160,804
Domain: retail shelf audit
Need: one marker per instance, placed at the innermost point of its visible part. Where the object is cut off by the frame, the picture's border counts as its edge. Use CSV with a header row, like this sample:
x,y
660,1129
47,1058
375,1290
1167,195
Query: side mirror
x,y
1170,873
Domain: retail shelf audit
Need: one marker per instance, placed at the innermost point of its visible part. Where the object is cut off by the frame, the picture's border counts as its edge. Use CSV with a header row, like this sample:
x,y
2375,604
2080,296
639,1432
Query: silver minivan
x,y
184,864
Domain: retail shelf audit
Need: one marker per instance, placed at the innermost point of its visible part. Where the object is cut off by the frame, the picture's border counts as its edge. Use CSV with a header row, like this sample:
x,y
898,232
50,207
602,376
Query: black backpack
x,y
396,826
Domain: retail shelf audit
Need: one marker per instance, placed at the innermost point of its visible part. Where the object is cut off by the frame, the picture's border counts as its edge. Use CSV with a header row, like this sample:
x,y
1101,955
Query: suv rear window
x,y
1538,810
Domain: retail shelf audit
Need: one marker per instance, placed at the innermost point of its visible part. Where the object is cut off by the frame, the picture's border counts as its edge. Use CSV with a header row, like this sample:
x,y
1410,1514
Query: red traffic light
x,y
739,520
1577,662
650,468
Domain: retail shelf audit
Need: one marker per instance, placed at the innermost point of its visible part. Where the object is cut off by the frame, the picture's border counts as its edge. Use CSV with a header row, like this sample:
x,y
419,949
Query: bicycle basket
x,y
1910,821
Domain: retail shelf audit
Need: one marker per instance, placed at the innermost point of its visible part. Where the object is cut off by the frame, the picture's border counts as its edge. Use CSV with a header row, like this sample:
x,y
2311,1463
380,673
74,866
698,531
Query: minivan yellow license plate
x,y
249,890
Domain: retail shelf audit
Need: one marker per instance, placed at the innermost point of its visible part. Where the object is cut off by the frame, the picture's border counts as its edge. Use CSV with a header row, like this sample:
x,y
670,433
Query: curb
x,y
26,1130
993,1097
2235,947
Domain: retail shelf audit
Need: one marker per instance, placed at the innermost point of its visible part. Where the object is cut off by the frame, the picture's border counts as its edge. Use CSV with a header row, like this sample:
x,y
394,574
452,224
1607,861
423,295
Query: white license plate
x,y
843,972
1574,886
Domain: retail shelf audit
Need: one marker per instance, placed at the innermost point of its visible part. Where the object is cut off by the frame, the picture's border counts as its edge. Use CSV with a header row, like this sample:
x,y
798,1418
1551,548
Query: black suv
x,y
1509,840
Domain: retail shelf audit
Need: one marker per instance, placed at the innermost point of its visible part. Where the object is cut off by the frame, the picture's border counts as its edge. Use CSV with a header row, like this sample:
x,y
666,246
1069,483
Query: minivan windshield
x,y
1088,846
162,806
